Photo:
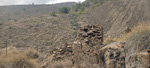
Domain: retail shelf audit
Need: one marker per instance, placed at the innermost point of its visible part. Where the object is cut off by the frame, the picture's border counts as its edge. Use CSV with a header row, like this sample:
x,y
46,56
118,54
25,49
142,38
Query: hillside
x,y
42,33
15,12
92,35
115,15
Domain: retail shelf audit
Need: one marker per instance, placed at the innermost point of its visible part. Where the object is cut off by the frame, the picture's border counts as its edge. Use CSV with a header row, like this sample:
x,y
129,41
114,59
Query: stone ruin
x,y
62,52
91,35
85,52
86,46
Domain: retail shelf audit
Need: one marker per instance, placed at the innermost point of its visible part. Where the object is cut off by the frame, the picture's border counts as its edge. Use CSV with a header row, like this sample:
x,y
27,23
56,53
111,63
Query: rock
x,y
112,56
139,60
90,33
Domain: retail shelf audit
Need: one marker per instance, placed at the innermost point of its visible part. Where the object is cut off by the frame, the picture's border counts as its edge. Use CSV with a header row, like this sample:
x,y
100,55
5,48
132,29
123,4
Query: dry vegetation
x,y
108,40
42,33
138,32
138,40
16,59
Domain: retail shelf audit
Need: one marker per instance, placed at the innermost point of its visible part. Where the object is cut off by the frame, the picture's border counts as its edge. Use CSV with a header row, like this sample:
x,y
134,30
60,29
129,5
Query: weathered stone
x,y
139,60
91,33
112,56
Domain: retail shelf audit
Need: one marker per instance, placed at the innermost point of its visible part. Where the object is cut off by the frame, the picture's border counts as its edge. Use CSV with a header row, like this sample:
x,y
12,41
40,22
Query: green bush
x,y
97,5
65,10
94,1
81,6
53,14
86,4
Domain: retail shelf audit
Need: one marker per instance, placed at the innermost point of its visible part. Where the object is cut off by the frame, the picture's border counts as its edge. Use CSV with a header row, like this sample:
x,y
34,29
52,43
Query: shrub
x,y
81,12
97,5
74,15
53,14
94,1
65,10
86,4
31,53
81,6
15,59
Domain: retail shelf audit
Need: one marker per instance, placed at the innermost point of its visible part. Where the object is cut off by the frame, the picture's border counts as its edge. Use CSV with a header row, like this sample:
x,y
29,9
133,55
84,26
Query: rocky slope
x,y
115,15
55,37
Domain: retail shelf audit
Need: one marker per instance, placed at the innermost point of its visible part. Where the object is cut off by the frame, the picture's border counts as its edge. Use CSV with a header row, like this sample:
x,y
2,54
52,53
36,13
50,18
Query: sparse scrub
x,y
94,1
138,37
81,6
86,4
31,53
97,5
15,59
137,32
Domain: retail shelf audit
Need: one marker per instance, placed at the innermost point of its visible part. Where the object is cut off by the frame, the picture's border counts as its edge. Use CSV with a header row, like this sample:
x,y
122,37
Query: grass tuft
x,y
16,59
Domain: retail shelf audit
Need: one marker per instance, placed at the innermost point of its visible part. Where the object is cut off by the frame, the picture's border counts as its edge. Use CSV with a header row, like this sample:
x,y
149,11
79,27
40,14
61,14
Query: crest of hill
x,y
15,12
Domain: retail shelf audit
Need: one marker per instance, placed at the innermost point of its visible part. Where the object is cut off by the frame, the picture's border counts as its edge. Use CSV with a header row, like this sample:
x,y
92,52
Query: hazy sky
x,y
14,2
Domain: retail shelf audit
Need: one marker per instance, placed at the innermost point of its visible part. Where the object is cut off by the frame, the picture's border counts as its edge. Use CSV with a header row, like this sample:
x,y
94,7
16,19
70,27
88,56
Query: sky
x,y
16,2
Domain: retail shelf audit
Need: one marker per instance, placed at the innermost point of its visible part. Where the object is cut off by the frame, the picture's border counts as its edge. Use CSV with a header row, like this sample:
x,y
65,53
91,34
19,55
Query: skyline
x,y
22,2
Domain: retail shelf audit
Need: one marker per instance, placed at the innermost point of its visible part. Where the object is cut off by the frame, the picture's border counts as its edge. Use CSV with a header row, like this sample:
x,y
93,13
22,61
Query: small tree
x,y
64,10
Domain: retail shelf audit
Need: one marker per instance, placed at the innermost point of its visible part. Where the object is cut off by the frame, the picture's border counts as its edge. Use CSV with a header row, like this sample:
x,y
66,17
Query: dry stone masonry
x,y
89,52
91,35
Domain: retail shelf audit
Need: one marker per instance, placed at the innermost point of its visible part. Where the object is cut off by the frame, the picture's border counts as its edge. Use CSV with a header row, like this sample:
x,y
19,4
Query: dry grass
x,y
16,59
32,53
137,32
138,39
108,40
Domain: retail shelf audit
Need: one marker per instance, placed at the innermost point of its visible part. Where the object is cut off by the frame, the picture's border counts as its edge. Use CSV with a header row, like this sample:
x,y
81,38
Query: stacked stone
x,y
62,52
91,35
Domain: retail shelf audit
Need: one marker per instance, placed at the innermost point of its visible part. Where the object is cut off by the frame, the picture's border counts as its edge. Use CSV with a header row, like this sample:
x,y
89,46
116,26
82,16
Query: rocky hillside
x,y
43,32
115,15
72,41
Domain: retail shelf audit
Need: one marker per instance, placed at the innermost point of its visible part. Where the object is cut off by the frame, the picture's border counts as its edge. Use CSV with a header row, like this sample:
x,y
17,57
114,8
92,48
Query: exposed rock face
x,y
139,60
112,56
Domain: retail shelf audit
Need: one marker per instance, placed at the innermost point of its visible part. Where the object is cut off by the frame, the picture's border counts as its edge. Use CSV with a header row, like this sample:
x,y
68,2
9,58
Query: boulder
x,y
139,60
112,56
